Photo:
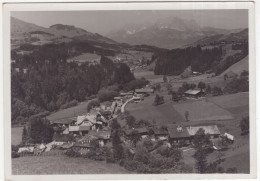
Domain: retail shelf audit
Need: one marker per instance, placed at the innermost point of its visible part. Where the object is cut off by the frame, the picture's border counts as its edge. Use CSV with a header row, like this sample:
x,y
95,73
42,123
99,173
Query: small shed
x,y
144,91
230,137
193,93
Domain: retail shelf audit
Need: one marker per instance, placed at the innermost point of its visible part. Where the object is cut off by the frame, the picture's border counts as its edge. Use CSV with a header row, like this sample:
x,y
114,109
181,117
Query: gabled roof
x,y
89,117
211,129
175,133
192,92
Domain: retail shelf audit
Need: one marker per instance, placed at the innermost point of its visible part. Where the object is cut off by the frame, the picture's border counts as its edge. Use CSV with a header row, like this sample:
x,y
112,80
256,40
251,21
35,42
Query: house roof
x,y
211,129
82,144
175,133
64,121
192,92
79,128
89,117
229,136
158,131
103,134
139,130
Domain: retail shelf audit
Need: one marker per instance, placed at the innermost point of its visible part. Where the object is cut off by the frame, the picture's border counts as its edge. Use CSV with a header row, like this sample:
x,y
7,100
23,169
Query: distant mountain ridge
x,y
171,32
21,30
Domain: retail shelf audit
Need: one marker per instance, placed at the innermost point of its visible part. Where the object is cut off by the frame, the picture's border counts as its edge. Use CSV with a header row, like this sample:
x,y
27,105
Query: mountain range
x,y
171,32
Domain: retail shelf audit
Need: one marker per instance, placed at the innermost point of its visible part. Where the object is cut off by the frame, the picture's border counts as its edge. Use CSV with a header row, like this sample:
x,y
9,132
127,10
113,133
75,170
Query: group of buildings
x,y
95,125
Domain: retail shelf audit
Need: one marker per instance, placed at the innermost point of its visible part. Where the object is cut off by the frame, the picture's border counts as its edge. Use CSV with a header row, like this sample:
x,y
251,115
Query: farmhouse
x,y
211,130
144,91
160,134
81,147
141,131
102,136
63,125
126,93
29,149
177,134
193,93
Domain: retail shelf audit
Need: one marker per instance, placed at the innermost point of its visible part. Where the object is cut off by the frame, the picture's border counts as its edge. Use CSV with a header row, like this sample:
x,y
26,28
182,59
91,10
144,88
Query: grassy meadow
x,y
38,165
69,112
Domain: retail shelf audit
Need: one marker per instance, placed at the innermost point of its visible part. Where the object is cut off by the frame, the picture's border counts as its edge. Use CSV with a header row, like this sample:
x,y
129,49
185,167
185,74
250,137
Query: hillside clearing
x,y
69,112
231,100
238,67
202,110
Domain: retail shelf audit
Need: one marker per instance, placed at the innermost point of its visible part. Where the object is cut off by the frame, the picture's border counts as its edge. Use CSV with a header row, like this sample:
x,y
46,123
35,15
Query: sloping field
x,y
231,100
85,57
35,165
69,112
238,67
16,135
162,114
202,111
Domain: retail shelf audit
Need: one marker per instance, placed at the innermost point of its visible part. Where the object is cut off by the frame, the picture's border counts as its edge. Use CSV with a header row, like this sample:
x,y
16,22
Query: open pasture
x,y
231,100
69,112
35,165
202,111
162,114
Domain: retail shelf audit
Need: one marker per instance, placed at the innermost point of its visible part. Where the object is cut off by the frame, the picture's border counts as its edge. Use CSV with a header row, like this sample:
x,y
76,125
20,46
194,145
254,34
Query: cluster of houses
x,y
78,132
171,135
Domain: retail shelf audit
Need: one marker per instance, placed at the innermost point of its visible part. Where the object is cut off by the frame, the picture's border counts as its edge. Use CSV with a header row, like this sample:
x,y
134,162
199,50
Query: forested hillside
x,y
49,84
173,62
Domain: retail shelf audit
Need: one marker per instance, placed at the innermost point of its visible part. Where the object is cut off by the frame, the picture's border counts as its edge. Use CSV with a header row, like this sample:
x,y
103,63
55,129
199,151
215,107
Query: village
x,y
77,132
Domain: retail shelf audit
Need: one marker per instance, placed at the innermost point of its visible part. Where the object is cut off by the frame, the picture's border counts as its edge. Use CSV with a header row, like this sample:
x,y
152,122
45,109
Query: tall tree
x,y
135,137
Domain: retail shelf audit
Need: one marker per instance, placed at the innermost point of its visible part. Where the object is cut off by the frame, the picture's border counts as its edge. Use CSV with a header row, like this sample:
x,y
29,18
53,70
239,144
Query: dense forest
x,y
49,85
173,62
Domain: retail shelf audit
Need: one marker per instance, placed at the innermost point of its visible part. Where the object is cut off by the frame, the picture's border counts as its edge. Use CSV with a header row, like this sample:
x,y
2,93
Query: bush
x,y
135,84
15,154
92,103
69,104
106,95
72,153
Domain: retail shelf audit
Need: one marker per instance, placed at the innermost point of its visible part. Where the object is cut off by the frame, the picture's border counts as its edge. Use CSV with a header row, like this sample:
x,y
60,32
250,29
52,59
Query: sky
x,y
103,22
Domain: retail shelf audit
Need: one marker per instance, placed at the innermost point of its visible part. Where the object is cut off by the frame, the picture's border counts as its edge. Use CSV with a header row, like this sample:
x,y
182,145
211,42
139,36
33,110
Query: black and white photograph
x,y
131,91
